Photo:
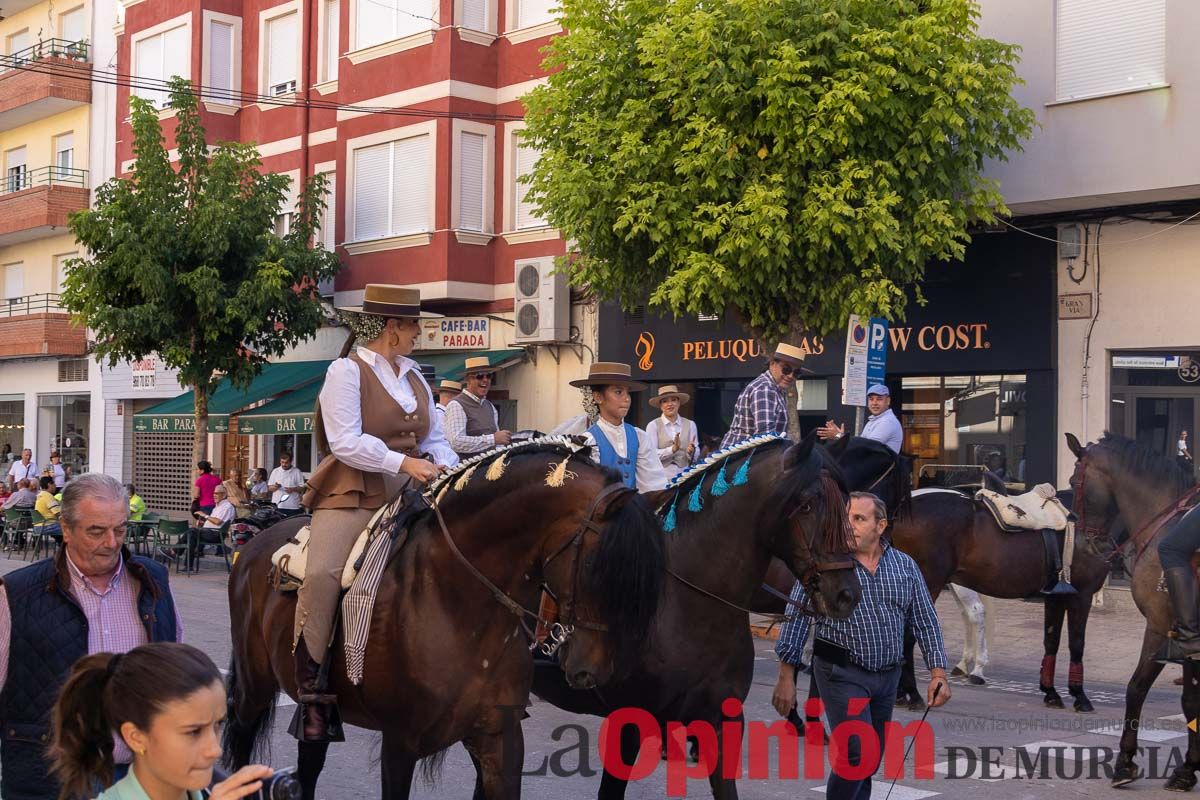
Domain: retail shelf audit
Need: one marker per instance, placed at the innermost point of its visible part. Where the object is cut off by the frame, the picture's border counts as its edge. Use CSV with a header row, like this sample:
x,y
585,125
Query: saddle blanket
x,y
1036,510
291,560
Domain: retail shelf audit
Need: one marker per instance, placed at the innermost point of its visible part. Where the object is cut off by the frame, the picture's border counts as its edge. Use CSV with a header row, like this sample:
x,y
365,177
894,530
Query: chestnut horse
x,y
785,501
446,660
1118,481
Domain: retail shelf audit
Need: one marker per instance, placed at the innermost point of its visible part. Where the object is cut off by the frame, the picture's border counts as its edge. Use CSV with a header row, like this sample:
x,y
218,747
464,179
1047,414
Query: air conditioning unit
x,y
543,302
287,87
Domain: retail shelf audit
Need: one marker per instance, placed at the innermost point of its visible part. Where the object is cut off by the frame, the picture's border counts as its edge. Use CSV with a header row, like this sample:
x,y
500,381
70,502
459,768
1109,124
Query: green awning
x,y
291,413
450,365
177,414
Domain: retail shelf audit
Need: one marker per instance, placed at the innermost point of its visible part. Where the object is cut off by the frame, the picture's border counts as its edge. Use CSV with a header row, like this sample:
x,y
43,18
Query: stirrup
x,y
334,731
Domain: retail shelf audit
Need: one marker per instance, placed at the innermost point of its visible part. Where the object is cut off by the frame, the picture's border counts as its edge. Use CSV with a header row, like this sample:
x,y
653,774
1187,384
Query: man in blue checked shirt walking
x,y
859,657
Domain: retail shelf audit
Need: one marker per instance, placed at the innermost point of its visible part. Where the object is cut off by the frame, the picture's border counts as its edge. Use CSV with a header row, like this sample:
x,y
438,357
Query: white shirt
x,y
650,473
341,412
884,427
456,428
286,479
225,512
673,429
19,472
60,475
1182,446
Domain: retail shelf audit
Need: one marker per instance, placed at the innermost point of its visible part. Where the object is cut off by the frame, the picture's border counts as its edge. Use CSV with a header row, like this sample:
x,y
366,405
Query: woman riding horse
x,y
375,418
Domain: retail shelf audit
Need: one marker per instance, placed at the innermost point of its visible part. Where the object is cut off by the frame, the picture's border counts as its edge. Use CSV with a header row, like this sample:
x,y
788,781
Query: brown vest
x,y
481,417
337,485
680,457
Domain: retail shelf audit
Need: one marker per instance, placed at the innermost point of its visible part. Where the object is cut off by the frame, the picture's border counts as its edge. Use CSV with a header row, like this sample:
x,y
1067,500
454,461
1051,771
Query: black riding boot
x,y
317,718
1184,641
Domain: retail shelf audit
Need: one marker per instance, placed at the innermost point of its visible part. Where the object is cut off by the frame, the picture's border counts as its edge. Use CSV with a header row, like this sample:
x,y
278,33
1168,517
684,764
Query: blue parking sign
x,y
877,346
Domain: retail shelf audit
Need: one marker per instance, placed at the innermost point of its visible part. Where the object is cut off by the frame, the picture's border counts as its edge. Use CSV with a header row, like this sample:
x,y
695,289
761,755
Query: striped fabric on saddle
x,y
1036,510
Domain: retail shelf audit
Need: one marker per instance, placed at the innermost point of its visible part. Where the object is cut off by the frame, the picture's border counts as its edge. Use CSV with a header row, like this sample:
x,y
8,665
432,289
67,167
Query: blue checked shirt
x,y
761,408
874,632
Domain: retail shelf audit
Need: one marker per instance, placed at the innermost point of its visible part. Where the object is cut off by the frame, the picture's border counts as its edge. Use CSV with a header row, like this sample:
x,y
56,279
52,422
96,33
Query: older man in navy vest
x,y
92,597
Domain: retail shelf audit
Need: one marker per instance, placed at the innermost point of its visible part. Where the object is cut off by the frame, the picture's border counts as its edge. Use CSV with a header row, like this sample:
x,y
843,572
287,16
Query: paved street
x,y
1007,713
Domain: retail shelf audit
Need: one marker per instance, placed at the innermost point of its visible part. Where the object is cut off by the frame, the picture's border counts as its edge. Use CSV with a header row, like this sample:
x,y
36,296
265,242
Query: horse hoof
x,y
975,680
1125,772
1054,702
1084,706
1182,781
957,673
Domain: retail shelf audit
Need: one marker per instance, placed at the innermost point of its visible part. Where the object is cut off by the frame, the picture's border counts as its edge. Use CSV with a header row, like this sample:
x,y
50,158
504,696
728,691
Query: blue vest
x,y
49,634
609,458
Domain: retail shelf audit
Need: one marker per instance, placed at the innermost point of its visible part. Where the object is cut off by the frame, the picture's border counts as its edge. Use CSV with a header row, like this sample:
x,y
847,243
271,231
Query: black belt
x,y
840,656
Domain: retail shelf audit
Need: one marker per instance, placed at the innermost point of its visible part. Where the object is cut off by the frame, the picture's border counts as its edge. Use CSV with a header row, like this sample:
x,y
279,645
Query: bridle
x,y
561,629
809,579
1092,534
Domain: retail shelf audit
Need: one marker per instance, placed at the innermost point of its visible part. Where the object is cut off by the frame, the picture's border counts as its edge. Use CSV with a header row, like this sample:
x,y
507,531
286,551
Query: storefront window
x,y
956,426
12,426
1153,399
300,445
64,425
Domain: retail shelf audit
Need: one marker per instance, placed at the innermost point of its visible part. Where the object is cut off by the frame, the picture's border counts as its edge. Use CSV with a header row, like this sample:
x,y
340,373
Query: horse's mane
x,y
575,449
690,476
1145,463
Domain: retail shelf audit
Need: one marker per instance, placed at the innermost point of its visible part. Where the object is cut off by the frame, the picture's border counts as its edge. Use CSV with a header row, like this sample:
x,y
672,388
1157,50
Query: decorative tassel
x,y
743,473
669,520
497,468
696,501
556,476
461,483
441,494
721,484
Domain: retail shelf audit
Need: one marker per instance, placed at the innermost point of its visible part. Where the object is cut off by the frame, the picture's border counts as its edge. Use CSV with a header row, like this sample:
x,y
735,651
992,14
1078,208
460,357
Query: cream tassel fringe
x,y
556,476
497,468
461,483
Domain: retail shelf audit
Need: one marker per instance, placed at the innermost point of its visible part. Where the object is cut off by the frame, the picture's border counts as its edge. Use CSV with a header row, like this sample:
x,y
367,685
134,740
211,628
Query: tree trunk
x,y
200,435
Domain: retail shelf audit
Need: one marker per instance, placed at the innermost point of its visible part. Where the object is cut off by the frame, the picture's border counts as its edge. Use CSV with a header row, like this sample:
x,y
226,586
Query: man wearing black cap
x,y
882,426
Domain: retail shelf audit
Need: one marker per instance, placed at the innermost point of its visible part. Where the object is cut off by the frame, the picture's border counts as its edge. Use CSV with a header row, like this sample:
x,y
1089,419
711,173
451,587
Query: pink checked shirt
x,y
114,625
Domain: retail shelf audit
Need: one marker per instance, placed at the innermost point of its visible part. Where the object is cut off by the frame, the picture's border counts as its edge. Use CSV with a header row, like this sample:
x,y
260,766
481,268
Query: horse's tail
x,y
247,731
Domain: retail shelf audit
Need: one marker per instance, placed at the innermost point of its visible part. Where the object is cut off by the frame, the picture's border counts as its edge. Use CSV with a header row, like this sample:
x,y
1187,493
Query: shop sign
x,y
285,423
172,423
455,333
143,372
1145,362
854,368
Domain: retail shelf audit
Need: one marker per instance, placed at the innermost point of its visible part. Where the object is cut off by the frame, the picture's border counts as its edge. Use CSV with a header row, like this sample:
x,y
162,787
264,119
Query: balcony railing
x,y
31,304
47,48
19,179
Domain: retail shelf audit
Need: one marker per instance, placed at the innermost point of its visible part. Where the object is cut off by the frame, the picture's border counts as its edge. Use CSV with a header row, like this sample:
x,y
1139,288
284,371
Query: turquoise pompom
x,y
743,473
695,501
721,484
669,520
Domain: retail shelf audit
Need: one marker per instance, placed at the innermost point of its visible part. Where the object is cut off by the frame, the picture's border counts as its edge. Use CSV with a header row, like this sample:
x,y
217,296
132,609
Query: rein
x,y
503,598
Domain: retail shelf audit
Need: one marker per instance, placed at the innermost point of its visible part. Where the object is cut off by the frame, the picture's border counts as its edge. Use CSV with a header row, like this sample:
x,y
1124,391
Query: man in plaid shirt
x,y
762,405
858,658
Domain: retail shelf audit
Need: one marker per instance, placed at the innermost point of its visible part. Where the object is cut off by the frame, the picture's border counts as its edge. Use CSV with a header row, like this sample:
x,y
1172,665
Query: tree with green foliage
x,y
794,160
183,260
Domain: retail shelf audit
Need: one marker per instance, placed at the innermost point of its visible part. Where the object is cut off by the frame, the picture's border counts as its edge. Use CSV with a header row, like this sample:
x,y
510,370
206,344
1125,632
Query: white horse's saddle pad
x,y
291,560
1036,510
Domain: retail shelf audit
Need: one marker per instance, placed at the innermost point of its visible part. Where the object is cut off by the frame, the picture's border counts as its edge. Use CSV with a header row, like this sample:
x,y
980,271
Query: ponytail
x,y
103,692
81,752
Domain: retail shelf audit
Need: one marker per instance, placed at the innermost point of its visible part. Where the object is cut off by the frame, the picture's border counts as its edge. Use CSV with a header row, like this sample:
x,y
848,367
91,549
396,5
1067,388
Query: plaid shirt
x,y
761,408
874,633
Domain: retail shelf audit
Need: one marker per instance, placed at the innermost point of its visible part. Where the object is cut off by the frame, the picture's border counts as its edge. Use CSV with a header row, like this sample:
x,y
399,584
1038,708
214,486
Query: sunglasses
x,y
480,376
788,369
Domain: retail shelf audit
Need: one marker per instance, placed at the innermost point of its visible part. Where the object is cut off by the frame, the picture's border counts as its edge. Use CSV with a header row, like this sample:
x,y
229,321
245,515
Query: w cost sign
x,y
866,358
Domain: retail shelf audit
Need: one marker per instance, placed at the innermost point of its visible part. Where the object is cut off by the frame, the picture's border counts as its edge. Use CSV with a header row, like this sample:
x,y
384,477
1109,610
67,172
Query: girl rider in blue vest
x,y
620,445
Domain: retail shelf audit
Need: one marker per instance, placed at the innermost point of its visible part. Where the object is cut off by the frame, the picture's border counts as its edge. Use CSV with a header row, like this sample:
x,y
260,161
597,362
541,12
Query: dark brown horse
x,y
791,506
954,539
1117,480
446,660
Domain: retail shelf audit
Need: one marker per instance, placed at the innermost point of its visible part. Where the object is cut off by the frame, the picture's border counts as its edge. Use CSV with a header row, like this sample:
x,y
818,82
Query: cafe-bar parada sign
x,y
455,333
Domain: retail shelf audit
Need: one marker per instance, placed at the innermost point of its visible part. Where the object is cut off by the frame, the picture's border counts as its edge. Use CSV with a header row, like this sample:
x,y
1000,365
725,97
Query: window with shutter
x,y
391,188
16,175
331,14
328,217
18,45
1109,46
64,154
379,21
147,68
14,281
472,149
71,25
220,59
281,55
535,12
474,15
526,216
177,60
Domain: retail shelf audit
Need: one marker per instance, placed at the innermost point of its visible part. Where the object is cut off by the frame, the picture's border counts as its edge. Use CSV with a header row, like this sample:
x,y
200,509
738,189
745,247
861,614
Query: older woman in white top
x,y
675,437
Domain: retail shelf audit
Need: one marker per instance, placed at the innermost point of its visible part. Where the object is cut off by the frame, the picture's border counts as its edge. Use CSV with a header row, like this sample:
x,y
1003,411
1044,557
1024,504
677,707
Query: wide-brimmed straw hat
x,y
390,301
473,366
453,386
670,390
610,373
792,355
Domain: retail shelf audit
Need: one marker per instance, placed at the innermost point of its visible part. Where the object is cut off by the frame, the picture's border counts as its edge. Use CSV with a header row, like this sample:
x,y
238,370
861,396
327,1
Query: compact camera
x,y
283,785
